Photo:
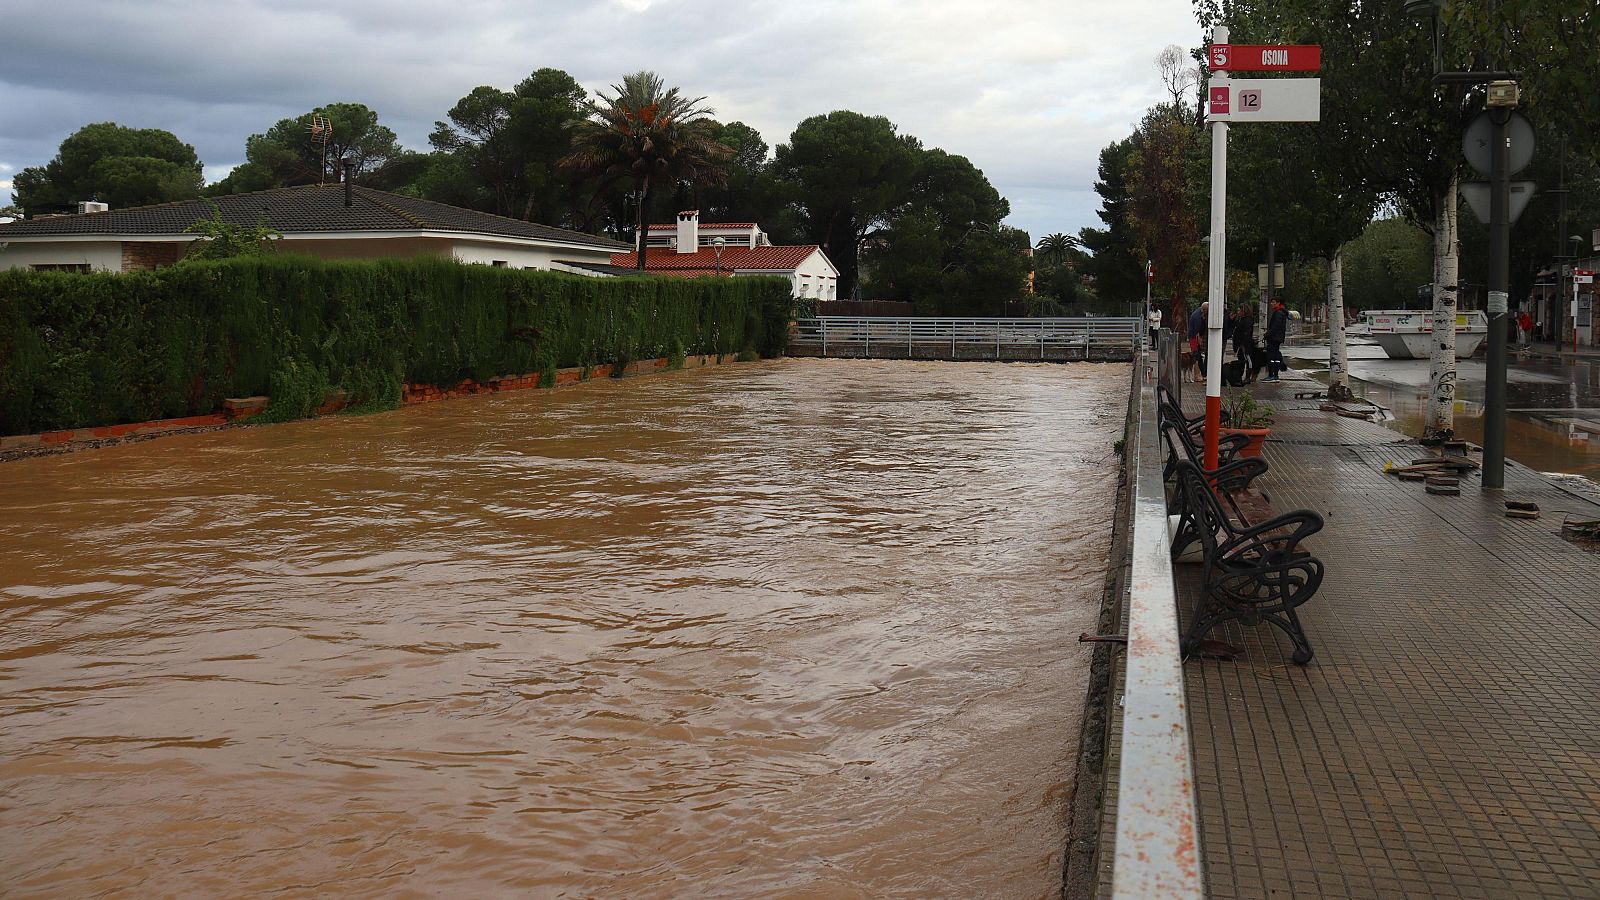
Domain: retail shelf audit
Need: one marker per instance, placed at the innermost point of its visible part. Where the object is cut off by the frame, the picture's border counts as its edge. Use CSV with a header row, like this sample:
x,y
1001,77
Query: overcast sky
x,y
1029,90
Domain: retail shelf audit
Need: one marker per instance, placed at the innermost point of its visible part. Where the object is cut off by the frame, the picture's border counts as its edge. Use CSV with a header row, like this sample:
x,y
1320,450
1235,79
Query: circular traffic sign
x,y
1476,143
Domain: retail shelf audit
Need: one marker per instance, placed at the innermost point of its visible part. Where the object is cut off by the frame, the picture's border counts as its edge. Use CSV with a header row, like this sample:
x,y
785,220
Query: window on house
x,y
61,267
499,264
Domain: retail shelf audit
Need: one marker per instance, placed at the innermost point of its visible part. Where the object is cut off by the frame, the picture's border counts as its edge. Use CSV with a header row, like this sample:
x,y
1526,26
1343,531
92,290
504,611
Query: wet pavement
x,y
1442,742
801,628
1552,406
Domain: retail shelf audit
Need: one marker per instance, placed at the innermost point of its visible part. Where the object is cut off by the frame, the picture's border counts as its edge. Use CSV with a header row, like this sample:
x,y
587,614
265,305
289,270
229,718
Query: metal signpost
x,y
1243,100
1579,276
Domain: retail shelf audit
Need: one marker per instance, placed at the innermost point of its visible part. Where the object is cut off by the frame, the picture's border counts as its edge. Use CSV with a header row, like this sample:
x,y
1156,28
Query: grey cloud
x,y
1029,90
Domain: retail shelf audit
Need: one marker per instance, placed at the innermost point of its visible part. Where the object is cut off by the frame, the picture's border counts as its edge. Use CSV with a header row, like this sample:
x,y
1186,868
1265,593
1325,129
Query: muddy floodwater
x,y
795,628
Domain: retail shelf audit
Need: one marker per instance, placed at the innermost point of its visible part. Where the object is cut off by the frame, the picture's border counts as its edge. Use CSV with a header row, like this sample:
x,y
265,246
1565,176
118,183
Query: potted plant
x,y
1243,415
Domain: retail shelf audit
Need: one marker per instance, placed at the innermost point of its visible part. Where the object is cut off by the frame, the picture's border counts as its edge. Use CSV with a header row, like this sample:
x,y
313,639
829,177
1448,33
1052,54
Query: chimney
x,y
689,231
349,177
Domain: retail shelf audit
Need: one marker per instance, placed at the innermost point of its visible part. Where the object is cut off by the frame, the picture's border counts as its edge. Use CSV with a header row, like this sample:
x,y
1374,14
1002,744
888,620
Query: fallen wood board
x,y
1428,468
1522,514
1442,490
1454,462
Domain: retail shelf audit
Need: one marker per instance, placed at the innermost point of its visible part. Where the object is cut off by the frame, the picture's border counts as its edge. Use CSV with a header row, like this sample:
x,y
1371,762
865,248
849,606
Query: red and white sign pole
x,y
1149,279
1579,276
1217,295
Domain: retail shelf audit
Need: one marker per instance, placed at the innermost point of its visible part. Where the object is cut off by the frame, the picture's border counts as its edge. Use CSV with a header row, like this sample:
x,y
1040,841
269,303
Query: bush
x,y
97,349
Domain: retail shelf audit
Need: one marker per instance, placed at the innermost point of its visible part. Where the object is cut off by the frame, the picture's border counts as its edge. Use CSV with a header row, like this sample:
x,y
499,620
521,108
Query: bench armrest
x,y
1302,522
1235,475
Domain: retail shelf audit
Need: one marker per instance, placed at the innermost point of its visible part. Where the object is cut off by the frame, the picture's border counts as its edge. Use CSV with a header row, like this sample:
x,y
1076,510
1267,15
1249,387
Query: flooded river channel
x,y
798,628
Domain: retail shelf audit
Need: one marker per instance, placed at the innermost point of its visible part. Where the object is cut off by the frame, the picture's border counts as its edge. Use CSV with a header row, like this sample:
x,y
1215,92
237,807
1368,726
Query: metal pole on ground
x,y
1149,277
1218,287
1494,414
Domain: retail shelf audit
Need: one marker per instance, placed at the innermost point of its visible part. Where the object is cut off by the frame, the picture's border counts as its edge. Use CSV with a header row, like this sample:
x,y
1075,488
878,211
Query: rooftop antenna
x,y
320,131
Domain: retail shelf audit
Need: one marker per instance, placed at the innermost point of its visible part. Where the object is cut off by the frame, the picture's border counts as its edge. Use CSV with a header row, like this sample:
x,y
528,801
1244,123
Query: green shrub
x,y
95,349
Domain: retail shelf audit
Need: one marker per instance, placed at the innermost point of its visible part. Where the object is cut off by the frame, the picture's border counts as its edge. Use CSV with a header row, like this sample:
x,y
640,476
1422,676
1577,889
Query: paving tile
x,y
1445,741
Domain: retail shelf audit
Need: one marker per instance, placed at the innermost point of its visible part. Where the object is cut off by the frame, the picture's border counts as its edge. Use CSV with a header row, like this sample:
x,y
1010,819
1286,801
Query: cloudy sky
x,y
1029,90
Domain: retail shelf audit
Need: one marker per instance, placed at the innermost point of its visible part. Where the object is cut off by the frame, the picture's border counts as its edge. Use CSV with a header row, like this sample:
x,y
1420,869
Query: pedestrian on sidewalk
x,y
1524,328
1244,343
1154,318
1277,330
1197,337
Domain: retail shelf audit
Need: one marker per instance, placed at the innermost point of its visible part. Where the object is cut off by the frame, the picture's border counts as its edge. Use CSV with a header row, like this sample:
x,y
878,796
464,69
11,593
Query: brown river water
x,y
801,628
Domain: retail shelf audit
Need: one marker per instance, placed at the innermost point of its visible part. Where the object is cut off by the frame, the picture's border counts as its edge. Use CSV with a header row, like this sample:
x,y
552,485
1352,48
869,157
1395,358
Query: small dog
x,y
1258,361
1233,373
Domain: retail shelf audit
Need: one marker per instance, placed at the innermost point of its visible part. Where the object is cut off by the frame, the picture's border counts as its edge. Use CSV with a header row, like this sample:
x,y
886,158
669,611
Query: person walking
x,y
1153,317
1197,337
1244,341
1524,328
1277,330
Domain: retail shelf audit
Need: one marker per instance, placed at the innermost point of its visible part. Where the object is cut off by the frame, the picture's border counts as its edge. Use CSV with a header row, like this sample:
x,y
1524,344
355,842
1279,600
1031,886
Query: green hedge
x,y
95,349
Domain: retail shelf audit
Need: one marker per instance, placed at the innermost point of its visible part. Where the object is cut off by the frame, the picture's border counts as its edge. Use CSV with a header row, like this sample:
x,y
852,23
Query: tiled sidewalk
x,y
1445,741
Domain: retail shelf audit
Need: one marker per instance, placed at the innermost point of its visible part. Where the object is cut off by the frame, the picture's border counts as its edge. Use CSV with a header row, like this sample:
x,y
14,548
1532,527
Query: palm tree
x,y
647,136
1054,247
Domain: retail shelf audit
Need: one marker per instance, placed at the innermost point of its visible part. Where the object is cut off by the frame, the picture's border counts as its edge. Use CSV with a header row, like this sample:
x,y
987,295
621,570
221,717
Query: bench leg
x,y
1289,624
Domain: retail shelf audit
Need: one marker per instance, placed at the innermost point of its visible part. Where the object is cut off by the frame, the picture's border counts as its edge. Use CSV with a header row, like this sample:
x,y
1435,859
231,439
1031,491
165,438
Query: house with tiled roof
x,y
336,221
690,250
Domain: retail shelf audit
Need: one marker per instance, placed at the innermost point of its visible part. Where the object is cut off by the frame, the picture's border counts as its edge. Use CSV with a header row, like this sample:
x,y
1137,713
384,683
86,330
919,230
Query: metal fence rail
x,y
1157,842
935,338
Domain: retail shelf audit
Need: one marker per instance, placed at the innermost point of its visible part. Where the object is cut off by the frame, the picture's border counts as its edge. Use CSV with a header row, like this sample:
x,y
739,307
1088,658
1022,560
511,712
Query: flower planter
x,y
1257,436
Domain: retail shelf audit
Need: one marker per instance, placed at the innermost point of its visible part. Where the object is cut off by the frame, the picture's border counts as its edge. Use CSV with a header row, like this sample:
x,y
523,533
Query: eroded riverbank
x,y
798,627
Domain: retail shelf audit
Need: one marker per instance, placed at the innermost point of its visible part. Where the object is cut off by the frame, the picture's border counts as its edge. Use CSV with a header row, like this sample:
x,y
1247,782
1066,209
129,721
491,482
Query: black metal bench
x,y
1226,479
1252,573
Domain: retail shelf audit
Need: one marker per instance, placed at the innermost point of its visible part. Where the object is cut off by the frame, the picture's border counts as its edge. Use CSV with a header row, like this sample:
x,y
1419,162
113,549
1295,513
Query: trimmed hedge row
x,y
79,350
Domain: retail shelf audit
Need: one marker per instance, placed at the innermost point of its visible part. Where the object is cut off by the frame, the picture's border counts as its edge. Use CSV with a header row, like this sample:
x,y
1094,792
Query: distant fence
x,y
1057,339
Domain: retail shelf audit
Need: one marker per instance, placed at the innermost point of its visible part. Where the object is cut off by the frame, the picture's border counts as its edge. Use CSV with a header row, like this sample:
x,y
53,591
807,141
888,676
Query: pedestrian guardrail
x,y
1057,338
1157,842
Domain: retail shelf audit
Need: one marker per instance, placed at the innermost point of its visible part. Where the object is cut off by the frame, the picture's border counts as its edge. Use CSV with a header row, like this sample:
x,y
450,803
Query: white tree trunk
x,y
1338,353
1441,420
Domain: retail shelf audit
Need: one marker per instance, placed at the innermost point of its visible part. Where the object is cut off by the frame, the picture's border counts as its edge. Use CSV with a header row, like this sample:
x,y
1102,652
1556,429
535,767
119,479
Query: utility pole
x,y
1502,99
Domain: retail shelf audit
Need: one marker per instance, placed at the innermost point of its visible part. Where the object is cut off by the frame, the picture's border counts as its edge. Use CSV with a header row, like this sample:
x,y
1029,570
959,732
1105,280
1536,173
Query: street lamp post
x,y
1501,100
717,244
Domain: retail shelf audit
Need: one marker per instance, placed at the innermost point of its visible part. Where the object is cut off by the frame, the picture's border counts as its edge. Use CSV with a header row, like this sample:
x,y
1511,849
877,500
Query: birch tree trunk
x,y
1441,421
1338,353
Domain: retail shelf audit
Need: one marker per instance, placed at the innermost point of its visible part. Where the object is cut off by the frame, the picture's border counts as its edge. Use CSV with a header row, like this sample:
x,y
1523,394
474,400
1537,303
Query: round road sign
x,y
1475,144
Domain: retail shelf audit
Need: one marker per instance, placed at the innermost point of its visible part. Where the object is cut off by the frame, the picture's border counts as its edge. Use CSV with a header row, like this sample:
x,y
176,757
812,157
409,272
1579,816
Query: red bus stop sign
x,y
1265,58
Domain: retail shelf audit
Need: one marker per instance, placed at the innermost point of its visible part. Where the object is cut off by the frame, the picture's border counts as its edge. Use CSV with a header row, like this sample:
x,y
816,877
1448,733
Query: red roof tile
x,y
667,261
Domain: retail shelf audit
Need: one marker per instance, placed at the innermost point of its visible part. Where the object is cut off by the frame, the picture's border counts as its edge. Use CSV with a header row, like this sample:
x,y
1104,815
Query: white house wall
x,y
814,277
518,257
98,255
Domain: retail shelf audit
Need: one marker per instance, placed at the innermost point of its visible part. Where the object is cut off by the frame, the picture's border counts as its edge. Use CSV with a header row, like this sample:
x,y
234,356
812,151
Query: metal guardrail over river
x,y
1056,339
1157,846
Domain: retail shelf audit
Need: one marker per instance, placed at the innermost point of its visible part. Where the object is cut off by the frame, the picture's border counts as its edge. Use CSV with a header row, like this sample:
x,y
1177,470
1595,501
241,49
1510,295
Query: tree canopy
x,y
294,152
112,163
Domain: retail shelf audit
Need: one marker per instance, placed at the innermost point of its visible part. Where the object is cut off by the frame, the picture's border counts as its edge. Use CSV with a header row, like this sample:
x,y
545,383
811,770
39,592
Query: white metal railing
x,y
1009,337
1157,843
